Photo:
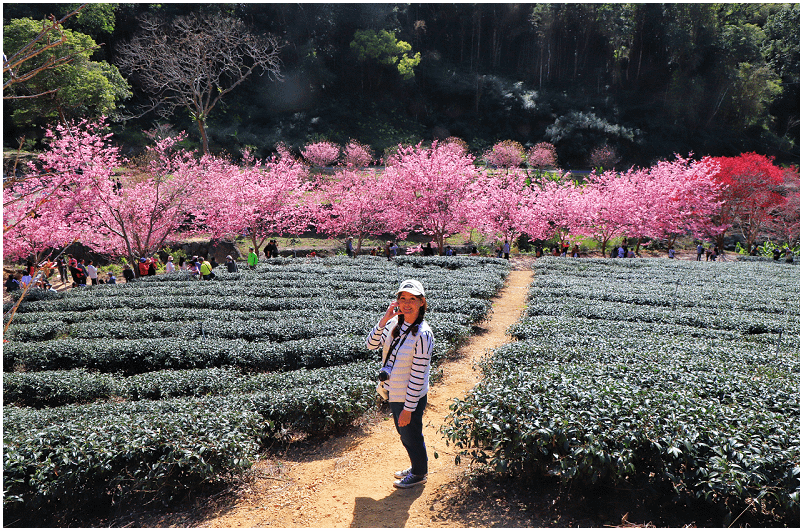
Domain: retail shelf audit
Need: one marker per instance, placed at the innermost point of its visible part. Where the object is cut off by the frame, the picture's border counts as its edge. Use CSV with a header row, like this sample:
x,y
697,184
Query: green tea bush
x,y
74,455
56,388
166,384
619,379
67,458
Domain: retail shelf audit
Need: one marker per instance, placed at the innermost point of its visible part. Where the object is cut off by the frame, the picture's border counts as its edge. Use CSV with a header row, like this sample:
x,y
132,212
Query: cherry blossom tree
x,y
459,144
600,209
259,200
785,224
501,204
357,155
430,190
506,154
321,153
352,204
136,214
151,209
128,214
604,156
38,213
674,198
34,227
553,212
750,195
542,155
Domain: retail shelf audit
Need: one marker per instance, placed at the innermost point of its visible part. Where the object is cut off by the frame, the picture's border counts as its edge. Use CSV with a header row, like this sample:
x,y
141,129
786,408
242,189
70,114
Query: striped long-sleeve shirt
x,y
410,362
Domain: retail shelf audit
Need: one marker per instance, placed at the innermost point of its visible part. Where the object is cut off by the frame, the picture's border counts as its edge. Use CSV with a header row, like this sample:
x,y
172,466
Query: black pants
x,y
411,436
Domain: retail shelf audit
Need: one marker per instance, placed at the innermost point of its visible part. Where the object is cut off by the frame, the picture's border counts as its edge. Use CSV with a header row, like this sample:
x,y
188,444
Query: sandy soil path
x,y
347,482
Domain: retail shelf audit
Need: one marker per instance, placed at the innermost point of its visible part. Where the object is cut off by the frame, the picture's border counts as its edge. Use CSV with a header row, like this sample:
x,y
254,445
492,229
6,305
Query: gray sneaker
x,y
400,474
410,481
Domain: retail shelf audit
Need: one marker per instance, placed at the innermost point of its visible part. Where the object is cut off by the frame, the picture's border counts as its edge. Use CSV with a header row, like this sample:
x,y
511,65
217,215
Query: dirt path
x,y
348,481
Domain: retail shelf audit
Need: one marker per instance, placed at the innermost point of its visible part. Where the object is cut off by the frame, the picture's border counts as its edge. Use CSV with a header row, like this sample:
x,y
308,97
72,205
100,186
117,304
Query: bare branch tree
x,y
194,62
14,71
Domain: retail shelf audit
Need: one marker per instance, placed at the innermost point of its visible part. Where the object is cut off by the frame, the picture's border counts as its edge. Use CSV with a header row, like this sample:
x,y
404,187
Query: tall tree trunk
x,y
478,52
201,124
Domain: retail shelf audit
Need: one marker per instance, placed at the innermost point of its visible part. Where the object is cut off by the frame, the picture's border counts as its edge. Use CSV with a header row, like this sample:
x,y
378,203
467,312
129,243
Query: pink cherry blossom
x,y
542,155
430,189
321,154
506,154
500,204
354,203
357,155
118,214
260,200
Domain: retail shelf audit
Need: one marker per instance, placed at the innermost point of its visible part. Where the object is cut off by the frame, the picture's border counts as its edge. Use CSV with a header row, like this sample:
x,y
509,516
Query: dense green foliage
x,y
647,79
677,378
166,384
79,88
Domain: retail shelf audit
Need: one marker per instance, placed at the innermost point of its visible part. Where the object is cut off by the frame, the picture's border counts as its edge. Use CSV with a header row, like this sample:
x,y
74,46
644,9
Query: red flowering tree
x,y
750,194
259,200
352,204
430,190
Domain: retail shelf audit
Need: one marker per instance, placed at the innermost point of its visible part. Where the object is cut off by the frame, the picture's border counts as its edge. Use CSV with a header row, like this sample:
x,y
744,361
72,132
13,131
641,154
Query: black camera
x,y
384,374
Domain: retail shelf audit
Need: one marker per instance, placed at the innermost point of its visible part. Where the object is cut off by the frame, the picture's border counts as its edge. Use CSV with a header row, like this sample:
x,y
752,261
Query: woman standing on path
x,y
407,343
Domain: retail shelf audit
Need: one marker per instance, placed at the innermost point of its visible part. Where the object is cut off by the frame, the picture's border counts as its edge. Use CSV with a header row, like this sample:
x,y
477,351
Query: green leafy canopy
x,y
383,47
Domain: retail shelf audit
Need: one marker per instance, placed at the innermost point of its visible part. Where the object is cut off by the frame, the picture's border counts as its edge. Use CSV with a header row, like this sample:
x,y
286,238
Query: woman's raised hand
x,y
391,311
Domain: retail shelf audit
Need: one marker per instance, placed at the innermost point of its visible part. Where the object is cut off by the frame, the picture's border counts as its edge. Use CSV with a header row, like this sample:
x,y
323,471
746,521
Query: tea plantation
x,y
158,387
679,380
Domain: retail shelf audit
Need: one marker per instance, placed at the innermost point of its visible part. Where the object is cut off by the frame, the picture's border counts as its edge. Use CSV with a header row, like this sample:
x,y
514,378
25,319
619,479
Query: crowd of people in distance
x,y
83,272
74,272
711,253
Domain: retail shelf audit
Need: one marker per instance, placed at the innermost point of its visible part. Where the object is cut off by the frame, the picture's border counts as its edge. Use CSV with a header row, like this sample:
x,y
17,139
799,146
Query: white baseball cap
x,y
411,286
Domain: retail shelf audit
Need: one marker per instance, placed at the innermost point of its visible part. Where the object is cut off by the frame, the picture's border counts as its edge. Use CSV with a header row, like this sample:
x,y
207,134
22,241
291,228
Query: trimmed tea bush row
x,y
70,456
237,303
274,326
331,278
58,388
580,332
76,386
746,322
134,356
697,412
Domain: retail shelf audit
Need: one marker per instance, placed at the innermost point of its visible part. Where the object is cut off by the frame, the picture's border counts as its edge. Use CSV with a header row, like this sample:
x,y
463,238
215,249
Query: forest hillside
x,y
648,80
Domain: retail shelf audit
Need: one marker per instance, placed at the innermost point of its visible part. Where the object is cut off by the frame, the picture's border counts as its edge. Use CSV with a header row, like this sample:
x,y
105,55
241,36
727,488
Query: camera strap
x,y
399,340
